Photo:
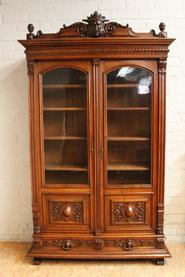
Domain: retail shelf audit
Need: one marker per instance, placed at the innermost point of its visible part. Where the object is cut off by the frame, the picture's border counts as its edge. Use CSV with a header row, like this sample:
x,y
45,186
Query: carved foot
x,y
36,261
160,261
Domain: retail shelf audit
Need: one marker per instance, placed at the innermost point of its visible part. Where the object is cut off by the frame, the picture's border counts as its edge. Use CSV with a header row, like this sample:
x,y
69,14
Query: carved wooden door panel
x,y
129,179
67,137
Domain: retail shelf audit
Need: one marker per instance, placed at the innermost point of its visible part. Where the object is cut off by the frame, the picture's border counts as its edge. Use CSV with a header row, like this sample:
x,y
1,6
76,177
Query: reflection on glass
x,y
129,126
65,126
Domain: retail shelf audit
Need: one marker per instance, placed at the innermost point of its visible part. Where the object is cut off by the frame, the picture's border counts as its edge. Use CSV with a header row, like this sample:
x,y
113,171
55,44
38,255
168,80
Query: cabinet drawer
x,y
129,212
67,212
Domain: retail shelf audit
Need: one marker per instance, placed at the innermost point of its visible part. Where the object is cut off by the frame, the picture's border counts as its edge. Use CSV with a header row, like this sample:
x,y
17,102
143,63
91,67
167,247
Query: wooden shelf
x,y
128,108
127,166
64,138
122,85
65,167
128,138
59,86
55,109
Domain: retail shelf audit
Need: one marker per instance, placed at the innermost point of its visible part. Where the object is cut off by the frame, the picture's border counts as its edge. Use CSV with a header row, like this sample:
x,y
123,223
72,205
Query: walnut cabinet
x,y
97,141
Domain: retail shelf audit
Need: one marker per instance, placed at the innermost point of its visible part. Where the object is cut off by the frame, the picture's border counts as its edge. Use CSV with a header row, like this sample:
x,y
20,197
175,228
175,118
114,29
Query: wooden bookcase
x,y
97,141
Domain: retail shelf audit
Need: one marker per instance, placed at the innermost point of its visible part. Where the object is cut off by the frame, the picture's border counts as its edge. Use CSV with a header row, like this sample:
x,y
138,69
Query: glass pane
x,y
129,126
65,126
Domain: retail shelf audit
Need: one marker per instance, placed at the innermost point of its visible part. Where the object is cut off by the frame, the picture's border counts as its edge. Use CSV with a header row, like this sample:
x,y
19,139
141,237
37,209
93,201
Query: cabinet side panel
x,y
161,147
33,154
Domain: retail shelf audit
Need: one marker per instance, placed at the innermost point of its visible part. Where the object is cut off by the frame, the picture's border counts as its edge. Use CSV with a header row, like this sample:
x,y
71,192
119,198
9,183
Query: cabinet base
x,y
66,251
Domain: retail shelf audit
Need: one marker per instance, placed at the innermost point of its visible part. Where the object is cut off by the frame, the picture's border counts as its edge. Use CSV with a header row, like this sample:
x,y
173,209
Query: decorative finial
x,y
162,33
30,35
162,27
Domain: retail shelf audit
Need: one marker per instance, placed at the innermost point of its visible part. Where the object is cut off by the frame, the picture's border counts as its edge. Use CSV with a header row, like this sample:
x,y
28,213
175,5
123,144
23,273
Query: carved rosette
x,y
128,212
66,211
162,66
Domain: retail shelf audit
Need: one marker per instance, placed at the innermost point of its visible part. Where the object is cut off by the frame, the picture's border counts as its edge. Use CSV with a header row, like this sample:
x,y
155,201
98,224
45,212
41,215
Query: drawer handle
x,y
129,211
67,211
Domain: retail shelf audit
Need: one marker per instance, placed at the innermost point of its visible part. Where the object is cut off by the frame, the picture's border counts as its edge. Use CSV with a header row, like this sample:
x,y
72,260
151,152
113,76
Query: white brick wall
x,y
49,15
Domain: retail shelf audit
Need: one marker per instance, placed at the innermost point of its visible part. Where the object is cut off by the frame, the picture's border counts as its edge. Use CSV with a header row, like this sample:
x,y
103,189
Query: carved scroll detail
x,y
67,211
96,26
128,212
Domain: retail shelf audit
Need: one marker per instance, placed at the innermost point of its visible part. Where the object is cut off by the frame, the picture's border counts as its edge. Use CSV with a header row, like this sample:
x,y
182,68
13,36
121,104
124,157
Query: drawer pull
x,y
67,211
129,211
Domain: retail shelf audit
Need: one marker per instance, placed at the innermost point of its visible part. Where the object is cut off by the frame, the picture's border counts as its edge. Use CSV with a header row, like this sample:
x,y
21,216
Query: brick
x,y
15,17
125,14
107,4
158,4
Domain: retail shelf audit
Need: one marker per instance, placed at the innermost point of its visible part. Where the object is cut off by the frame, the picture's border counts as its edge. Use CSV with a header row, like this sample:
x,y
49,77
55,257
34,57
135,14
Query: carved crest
x,y
95,25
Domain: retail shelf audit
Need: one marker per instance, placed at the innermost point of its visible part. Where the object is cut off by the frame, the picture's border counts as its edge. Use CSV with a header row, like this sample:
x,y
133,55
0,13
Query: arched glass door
x,y
65,126
128,132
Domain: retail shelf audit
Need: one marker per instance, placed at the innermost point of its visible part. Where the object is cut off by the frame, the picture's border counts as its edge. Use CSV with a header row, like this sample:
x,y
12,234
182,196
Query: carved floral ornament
x,y
128,212
67,211
96,25
99,244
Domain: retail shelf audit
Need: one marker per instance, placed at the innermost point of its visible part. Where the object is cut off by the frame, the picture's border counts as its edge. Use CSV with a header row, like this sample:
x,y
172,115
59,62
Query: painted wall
x,y
49,16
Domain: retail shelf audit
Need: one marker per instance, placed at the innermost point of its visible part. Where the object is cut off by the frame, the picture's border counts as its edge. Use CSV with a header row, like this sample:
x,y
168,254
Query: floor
x,y
13,263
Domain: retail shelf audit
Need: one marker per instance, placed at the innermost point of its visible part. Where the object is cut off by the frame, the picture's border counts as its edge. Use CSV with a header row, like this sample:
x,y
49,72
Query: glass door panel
x,y
65,126
129,126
